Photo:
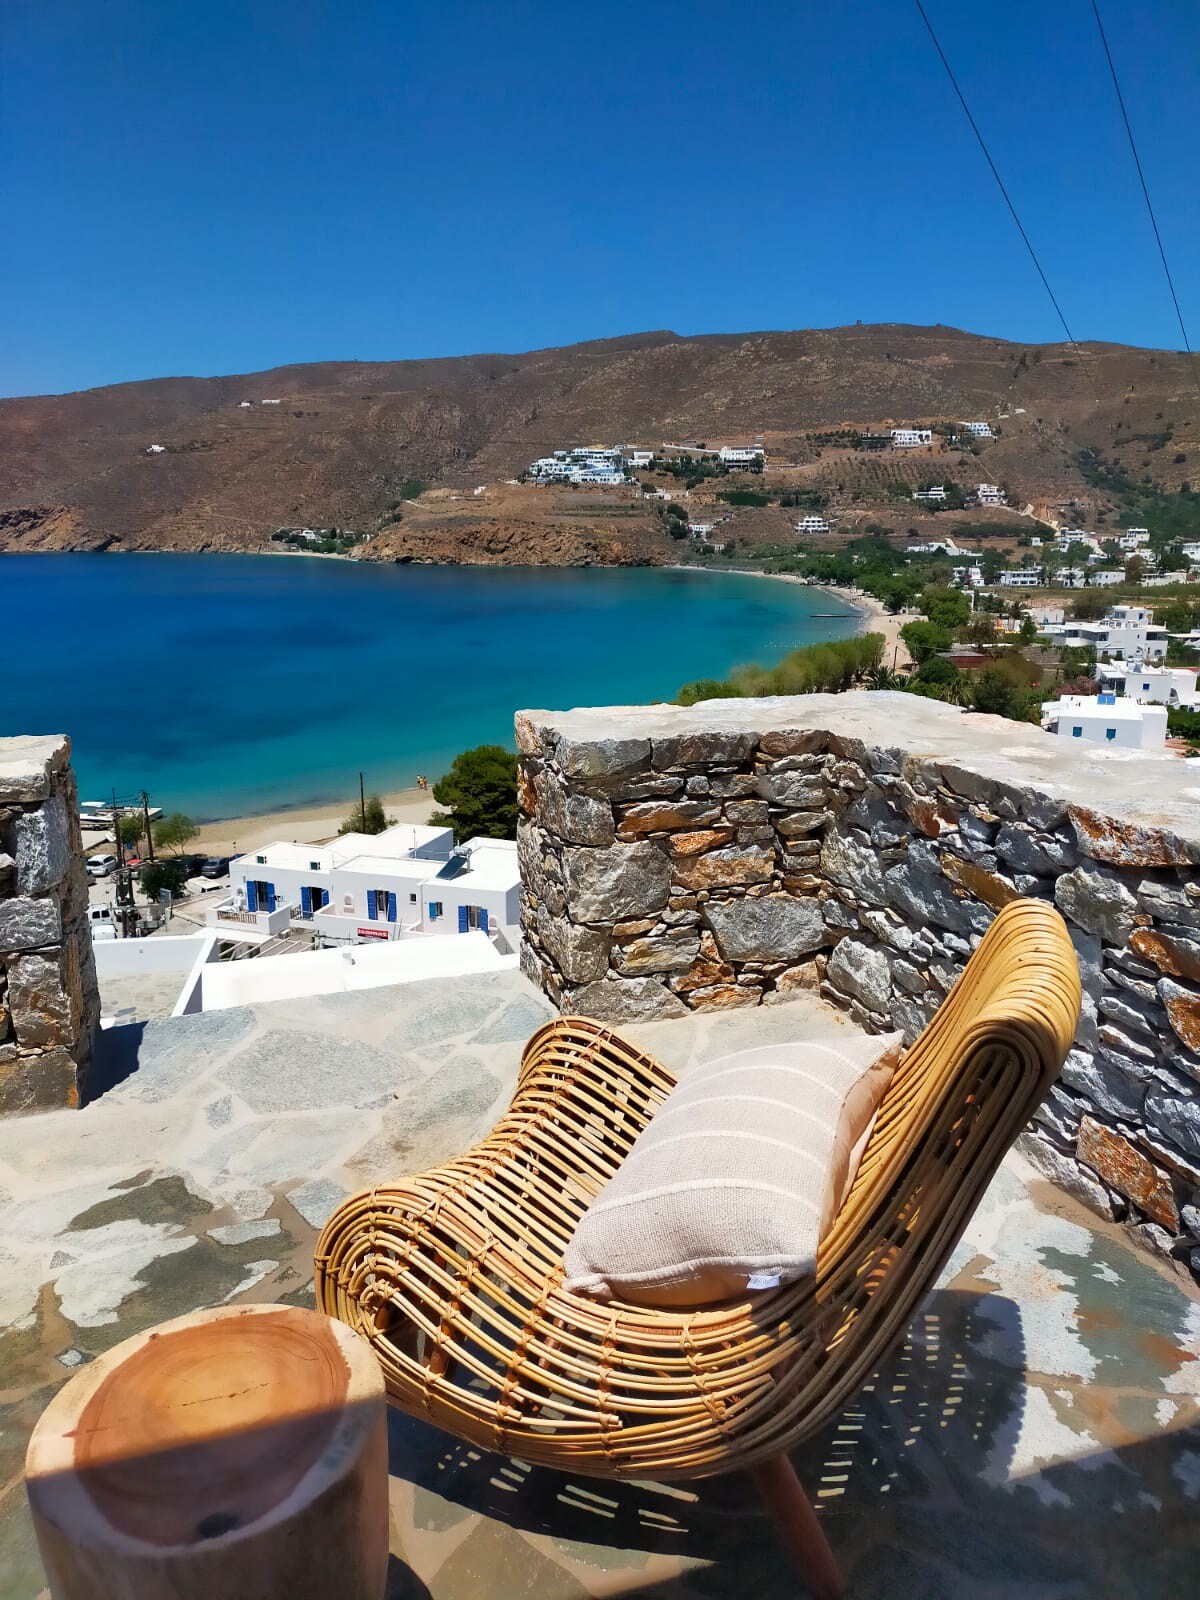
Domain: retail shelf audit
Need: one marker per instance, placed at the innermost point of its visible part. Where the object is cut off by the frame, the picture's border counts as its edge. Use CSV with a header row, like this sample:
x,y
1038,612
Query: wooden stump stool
x,y
239,1452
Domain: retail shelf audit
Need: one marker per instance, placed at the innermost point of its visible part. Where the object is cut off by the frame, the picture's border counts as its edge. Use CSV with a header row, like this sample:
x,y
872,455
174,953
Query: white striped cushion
x,y
738,1176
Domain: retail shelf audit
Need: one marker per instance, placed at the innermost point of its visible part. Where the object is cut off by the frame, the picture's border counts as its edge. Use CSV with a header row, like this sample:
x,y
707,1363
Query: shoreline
x,y
302,824
873,616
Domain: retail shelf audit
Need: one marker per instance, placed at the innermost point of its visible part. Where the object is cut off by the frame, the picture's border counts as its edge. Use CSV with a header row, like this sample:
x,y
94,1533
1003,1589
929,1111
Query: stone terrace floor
x,y
1038,1437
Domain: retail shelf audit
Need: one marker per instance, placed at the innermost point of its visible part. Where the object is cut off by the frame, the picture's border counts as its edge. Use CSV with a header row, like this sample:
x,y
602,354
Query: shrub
x,y
481,790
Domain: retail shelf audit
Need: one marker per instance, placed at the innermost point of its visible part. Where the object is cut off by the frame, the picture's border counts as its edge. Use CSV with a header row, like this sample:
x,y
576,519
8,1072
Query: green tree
x,y
367,818
130,828
925,639
1088,605
1028,629
945,606
981,630
159,875
481,791
174,831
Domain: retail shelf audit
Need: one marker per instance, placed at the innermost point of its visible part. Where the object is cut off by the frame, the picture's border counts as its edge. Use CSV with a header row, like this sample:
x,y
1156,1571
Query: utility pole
x,y
362,802
146,820
126,909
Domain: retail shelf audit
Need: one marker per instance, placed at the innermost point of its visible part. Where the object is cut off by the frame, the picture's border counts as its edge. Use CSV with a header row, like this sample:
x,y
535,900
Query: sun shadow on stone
x,y
116,1056
938,1419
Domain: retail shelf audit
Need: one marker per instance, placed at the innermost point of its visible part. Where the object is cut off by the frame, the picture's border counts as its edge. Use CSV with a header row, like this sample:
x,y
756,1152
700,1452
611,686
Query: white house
x,y
700,530
1161,580
583,464
1021,578
364,887
812,524
1126,633
1134,538
990,494
271,402
1103,719
910,438
1152,685
1190,551
978,430
967,577
736,455
156,449
935,492
636,458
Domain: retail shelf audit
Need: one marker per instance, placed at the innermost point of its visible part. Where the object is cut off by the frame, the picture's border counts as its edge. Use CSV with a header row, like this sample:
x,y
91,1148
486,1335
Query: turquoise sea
x,y
232,684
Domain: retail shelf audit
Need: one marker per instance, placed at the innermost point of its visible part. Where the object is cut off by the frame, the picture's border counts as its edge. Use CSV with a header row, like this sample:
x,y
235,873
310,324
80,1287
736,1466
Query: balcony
x,y
234,921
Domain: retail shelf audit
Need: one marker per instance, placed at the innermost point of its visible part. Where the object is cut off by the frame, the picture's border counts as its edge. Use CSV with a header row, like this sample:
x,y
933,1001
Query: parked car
x,y
191,864
100,866
215,867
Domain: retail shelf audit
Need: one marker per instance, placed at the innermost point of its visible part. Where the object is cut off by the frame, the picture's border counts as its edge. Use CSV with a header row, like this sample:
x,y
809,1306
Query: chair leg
x,y
793,1514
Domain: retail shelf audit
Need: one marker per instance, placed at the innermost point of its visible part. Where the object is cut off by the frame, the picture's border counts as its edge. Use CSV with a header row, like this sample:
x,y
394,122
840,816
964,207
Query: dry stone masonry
x,y
49,1002
729,853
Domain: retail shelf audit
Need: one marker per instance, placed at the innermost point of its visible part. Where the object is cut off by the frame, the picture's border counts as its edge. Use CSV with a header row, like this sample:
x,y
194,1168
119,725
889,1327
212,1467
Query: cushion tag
x,y
763,1280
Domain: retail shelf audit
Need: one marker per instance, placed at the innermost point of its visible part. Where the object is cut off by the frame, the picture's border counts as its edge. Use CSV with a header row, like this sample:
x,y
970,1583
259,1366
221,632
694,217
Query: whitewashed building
x,y
595,464
812,524
1152,685
1105,719
1134,539
1021,578
910,438
990,494
364,887
1126,633
745,456
978,430
935,493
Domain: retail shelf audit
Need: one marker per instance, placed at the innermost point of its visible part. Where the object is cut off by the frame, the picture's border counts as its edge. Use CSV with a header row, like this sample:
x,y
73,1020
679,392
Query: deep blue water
x,y
231,684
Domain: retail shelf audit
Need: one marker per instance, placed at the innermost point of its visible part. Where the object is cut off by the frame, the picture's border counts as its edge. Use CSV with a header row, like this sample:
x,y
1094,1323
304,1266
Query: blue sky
x,y
203,186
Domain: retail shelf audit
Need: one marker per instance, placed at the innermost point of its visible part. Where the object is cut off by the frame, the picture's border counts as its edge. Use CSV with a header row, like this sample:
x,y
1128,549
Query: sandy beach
x,y
304,824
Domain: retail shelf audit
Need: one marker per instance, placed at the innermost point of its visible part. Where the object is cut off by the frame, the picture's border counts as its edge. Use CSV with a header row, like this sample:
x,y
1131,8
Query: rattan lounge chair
x,y
454,1275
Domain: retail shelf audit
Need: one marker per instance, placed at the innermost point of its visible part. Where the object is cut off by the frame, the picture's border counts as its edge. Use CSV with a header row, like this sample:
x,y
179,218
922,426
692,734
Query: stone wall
x,y
729,853
49,1002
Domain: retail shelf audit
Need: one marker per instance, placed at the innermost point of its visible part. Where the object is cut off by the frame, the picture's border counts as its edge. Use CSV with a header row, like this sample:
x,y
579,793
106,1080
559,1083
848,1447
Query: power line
x,y
1137,161
987,155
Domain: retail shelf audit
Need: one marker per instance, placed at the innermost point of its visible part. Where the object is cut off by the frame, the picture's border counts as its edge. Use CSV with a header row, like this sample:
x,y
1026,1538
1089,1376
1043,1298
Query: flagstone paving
x,y
1037,1438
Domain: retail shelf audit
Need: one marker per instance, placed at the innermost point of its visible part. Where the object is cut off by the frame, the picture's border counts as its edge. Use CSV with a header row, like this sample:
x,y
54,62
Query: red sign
x,y
373,933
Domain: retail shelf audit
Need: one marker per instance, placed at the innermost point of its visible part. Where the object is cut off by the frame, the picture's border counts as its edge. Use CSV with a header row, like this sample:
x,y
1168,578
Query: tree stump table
x,y
238,1452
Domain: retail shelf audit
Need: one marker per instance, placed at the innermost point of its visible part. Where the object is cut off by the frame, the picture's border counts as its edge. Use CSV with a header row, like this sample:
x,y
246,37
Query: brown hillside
x,y
75,473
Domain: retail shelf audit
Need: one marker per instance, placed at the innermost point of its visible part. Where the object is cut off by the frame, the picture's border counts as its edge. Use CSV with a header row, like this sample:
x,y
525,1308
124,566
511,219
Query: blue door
x,y
483,919
251,896
270,898
391,907
462,919
306,901
372,905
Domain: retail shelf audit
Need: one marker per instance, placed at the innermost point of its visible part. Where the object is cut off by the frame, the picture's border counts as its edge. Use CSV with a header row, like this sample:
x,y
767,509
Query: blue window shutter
x,y
435,907
371,906
251,896
324,897
306,901
483,919
270,897
462,919
391,907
